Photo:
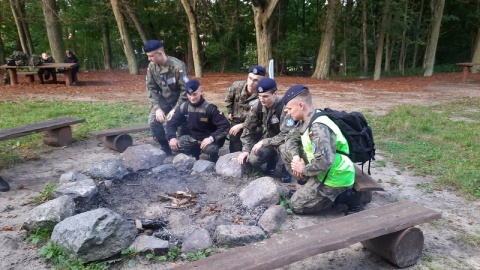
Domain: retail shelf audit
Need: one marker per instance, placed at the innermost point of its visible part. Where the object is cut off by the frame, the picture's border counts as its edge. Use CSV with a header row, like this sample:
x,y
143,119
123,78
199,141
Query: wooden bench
x,y
387,231
56,132
117,139
466,70
29,74
68,67
365,184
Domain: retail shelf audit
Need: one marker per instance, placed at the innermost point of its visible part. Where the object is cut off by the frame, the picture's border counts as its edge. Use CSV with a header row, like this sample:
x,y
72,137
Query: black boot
x,y
286,177
271,165
166,148
4,186
352,199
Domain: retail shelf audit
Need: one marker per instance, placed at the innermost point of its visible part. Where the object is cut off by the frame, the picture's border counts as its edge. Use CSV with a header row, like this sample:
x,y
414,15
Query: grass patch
x,y
98,116
44,195
440,140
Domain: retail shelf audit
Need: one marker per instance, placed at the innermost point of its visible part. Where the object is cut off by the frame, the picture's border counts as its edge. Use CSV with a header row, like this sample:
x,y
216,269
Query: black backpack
x,y
356,130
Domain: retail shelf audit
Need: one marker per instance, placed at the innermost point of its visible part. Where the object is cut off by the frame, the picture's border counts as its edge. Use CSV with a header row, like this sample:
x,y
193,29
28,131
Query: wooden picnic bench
x,y
29,74
56,132
386,231
466,69
118,139
13,71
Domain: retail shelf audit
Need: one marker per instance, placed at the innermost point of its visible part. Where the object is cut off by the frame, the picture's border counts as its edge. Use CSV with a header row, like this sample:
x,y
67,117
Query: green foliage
x,y
37,235
197,256
285,202
61,259
440,140
44,195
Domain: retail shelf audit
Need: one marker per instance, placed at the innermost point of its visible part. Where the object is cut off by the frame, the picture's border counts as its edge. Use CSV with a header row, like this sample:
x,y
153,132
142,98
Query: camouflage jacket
x,y
238,101
166,84
274,122
323,143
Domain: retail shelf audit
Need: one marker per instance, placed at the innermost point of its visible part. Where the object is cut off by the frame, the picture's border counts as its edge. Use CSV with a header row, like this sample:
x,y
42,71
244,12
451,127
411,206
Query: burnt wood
x,y
364,182
119,131
293,246
51,124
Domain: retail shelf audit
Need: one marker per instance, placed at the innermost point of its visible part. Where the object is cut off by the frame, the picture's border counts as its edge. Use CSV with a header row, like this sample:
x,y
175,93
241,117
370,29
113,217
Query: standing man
x,y
311,149
240,97
166,78
266,115
208,126
44,73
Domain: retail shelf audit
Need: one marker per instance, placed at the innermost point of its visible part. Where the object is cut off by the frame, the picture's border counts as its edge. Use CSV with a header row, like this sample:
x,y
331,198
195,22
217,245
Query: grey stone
x,y
183,162
72,177
261,192
80,190
227,165
238,235
47,215
145,244
110,169
94,235
143,157
197,241
273,218
163,168
203,166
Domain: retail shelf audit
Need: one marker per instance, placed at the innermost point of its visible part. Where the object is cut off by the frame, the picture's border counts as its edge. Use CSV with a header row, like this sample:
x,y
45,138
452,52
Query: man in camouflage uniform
x,y
267,115
45,73
310,150
240,97
208,126
166,78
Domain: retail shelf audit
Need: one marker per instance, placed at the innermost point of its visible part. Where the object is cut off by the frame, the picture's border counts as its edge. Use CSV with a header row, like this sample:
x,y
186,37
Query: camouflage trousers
x,y
158,130
263,155
235,142
191,146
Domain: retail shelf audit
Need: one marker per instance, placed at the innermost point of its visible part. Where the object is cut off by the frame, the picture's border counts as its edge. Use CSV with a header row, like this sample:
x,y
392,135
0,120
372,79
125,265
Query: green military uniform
x,y
238,103
165,86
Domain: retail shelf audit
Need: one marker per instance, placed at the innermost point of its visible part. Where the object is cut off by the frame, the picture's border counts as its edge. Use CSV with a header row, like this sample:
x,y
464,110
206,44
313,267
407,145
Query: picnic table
x,y
466,69
12,71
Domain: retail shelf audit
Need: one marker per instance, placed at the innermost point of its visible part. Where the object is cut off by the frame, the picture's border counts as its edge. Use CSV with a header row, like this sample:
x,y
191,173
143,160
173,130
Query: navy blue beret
x,y
257,70
192,86
266,85
152,45
293,91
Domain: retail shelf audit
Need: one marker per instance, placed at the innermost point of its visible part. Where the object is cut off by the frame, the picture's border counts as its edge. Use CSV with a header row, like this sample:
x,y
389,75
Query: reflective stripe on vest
x,y
342,172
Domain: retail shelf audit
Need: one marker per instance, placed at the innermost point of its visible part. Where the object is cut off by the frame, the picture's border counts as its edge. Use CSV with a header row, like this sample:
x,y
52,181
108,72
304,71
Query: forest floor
x,y
450,243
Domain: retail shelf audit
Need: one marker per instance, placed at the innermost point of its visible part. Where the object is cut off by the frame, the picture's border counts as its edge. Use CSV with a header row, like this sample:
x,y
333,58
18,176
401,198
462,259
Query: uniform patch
x,y
171,80
274,120
185,78
313,147
230,89
289,122
203,119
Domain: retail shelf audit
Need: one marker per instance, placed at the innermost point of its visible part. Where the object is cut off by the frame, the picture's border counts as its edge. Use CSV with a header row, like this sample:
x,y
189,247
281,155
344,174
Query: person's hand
x,y
297,165
205,142
170,114
230,116
160,115
235,129
174,144
242,158
257,147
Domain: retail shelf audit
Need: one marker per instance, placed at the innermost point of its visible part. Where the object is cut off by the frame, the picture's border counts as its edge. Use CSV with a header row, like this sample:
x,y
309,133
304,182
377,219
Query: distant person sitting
x,y
71,58
45,73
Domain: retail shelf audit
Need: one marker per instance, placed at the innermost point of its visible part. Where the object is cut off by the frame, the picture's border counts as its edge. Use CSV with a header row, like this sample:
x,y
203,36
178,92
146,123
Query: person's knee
x,y
211,149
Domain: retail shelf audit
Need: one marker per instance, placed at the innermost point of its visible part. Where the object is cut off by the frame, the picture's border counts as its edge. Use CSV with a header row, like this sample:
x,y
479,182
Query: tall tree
x,y
415,38
133,16
125,37
107,49
263,11
436,7
192,26
403,43
364,36
328,36
14,4
381,40
476,54
54,31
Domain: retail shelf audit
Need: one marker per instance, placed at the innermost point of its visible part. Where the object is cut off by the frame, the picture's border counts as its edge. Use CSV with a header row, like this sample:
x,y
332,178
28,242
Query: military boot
x,y
4,186
286,177
352,199
166,148
271,165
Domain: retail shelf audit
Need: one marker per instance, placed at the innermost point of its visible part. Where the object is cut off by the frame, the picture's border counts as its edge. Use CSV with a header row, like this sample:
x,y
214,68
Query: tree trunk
x,y
476,54
381,40
346,37
126,42
328,37
386,65
192,25
403,47
262,13
365,38
20,29
107,49
54,30
415,48
133,16
2,50
436,7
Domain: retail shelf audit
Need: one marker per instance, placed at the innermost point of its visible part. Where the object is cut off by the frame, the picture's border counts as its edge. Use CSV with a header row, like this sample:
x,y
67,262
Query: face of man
x,y
252,81
194,97
157,57
44,56
294,108
267,99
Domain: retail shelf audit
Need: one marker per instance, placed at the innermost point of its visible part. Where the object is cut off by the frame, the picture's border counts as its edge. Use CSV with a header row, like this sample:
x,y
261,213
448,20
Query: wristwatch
x,y
211,139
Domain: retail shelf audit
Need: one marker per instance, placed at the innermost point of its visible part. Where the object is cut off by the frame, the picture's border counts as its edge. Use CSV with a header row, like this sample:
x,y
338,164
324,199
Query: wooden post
x,y
31,78
402,248
118,142
58,137
466,71
68,77
13,76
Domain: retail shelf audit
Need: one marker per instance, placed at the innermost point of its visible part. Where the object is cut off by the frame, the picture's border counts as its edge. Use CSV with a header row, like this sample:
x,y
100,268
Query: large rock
x,y
110,169
94,235
227,165
80,190
163,168
183,162
72,177
260,192
203,166
47,215
272,220
143,157
197,241
145,244
238,235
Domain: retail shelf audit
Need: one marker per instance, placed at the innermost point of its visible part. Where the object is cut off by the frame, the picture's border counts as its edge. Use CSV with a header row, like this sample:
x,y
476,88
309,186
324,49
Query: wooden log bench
x,y
56,132
386,230
466,69
29,74
118,139
365,184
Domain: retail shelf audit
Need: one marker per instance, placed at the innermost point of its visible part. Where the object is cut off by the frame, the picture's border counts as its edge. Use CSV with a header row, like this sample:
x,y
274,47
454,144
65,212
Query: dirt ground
x,y
448,242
